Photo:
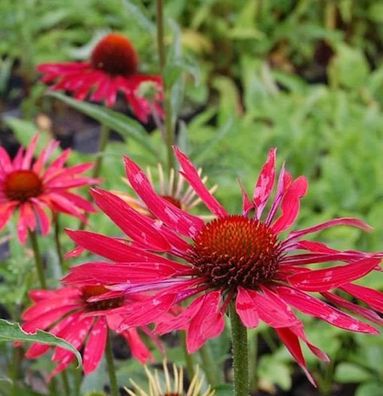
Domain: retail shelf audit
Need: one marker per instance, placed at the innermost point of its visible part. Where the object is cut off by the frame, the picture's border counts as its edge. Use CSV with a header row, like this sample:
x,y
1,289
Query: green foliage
x,y
305,77
13,332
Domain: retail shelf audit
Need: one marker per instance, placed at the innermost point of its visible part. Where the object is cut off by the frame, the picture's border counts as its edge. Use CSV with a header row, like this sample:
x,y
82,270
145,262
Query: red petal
x,y
175,218
191,175
347,221
371,297
207,323
135,225
292,344
290,204
265,183
315,307
137,347
246,308
95,346
329,278
272,309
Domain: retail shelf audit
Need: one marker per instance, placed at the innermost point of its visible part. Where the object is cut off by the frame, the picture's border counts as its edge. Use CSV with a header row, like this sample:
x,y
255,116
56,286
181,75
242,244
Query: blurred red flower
x,y
30,188
77,316
112,68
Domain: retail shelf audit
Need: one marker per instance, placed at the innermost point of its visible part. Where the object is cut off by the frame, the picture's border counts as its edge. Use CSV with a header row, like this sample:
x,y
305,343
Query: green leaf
x,y
13,332
118,122
370,389
274,371
348,372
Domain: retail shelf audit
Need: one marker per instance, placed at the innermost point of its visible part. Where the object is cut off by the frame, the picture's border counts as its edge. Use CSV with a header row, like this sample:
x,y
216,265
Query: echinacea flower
x,y
77,316
31,188
170,386
112,68
169,188
249,260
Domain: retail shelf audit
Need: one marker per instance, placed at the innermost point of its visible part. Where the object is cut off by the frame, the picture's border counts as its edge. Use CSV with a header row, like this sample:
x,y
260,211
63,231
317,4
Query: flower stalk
x,y
169,130
58,243
38,259
103,142
240,354
111,368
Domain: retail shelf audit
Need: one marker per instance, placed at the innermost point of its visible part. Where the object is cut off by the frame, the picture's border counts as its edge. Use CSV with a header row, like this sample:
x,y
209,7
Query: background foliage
x,y
304,76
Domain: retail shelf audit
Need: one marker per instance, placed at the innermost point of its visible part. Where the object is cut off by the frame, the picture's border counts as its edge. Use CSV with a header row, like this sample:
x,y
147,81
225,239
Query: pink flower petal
x,y
246,308
373,298
272,309
138,349
132,223
347,221
265,183
290,204
292,344
329,278
354,308
207,323
190,173
175,218
95,345
317,308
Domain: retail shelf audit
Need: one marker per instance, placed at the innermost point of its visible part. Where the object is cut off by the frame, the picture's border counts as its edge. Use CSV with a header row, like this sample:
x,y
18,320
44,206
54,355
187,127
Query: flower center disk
x,y
22,185
88,292
236,251
115,55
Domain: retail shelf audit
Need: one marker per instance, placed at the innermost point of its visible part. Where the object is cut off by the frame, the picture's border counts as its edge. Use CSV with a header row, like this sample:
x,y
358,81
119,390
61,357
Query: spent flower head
x,y
171,385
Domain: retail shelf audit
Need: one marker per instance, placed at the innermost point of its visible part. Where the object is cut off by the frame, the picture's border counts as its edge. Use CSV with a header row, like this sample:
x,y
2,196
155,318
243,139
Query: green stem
x,y
253,350
209,366
104,138
188,357
240,356
64,377
52,387
38,259
111,369
169,130
58,243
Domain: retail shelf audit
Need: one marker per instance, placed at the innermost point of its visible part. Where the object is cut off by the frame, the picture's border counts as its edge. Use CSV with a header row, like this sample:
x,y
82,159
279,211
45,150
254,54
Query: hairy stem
x,y
169,130
38,259
111,368
240,355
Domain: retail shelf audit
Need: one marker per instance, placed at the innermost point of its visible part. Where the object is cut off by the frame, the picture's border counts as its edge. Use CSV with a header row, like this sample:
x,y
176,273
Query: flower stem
x,y
111,369
240,355
209,365
66,387
253,350
169,130
58,242
38,259
103,142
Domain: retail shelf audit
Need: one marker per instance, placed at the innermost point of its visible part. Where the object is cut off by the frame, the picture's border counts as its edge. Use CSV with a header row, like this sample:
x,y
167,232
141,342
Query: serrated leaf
x,y
13,332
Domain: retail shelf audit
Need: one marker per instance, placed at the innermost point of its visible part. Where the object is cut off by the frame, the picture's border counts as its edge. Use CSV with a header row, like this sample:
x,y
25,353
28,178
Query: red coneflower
x,y
241,259
112,68
77,316
31,188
